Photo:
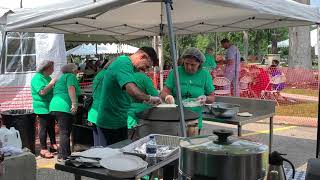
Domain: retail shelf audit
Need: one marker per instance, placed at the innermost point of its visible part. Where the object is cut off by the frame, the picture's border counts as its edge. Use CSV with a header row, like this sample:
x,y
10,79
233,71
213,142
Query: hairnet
x,y
194,52
69,68
44,65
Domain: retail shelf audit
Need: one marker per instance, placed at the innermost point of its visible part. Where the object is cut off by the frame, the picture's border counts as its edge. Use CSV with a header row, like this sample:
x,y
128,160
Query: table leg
x,y
271,134
239,130
77,177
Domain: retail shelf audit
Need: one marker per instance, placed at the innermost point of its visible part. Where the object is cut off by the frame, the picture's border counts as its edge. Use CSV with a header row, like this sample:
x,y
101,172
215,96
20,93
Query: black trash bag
x,y
22,120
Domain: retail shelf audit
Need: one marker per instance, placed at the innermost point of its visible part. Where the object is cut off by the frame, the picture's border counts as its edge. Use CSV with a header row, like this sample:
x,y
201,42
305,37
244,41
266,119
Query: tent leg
x,y
168,4
161,61
2,53
318,130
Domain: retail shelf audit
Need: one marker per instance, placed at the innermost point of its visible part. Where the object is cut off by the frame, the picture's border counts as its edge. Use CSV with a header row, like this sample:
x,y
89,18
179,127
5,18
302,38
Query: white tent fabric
x,y
89,49
130,19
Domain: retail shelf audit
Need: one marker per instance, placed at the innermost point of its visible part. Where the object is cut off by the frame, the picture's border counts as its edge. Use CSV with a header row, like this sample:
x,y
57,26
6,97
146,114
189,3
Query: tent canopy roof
x,y
131,19
89,49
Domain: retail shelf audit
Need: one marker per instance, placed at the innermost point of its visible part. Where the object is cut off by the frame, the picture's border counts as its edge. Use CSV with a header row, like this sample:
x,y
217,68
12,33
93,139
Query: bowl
x,y
224,110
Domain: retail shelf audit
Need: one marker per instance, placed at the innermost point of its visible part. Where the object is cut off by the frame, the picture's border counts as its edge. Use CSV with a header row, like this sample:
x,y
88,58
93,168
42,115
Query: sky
x,y
315,2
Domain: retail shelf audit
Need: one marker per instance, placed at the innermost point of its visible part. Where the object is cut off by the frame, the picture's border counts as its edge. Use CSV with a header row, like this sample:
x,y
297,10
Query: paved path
x,y
300,97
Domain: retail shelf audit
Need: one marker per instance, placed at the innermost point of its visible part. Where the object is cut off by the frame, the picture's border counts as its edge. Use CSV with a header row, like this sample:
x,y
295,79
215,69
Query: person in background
x,y
144,83
195,82
118,87
260,80
41,91
210,62
98,138
274,71
64,105
231,60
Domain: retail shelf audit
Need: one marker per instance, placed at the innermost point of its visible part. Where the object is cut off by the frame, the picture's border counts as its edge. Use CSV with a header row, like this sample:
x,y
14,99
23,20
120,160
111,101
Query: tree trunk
x,y
274,42
245,44
299,45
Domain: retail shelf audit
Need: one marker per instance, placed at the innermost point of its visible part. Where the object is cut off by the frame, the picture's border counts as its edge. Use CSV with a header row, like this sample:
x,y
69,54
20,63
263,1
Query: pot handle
x,y
222,136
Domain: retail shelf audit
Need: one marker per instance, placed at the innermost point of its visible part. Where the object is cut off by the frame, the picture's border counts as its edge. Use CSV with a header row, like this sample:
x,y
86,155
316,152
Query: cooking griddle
x,y
166,114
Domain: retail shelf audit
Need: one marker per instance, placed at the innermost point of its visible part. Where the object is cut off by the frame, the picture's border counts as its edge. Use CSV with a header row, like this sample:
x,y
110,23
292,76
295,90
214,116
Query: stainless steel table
x,y
260,109
100,173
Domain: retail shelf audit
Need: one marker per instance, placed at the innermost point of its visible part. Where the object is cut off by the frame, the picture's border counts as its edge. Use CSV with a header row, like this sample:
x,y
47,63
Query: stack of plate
x,y
123,166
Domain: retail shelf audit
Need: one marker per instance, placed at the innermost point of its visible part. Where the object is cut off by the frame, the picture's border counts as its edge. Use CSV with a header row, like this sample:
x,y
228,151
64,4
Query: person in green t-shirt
x,y
144,83
210,62
93,111
118,86
41,91
64,105
195,82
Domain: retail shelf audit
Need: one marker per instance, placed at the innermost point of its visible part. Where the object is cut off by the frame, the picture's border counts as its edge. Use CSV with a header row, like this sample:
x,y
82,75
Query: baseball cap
x,y
151,53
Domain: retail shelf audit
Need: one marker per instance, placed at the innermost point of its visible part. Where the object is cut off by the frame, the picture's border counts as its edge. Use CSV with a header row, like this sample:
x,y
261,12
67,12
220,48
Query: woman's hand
x,y
169,99
202,99
74,108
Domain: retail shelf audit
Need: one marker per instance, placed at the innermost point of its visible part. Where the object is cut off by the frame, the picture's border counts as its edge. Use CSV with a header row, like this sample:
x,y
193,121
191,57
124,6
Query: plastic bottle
x,y
151,151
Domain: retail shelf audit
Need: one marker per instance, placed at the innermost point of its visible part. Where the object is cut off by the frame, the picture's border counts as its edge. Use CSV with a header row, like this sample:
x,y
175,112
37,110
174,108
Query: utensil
x,y
222,157
191,102
223,110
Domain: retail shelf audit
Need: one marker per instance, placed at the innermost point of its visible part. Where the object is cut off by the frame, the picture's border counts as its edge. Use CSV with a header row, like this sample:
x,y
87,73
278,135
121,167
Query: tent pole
x,y
3,50
175,66
318,130
96,48
161,61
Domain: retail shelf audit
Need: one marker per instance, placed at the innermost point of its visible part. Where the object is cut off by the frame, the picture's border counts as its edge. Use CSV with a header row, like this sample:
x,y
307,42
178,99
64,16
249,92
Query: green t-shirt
x,y
192,86
145,84
61,101
40,103
210,62
96,87
115,101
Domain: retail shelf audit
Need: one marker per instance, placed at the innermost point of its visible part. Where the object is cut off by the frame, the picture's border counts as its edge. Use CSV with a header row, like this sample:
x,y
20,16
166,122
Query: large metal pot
x,y
222,158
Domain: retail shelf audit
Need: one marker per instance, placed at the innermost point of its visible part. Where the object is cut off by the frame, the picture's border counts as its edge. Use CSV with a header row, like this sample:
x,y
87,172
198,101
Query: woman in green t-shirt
x,y
195,82
64,105
41,91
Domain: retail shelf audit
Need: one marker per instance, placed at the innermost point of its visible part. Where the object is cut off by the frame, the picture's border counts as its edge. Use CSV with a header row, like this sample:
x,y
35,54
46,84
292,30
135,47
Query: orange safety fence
x,y
19,97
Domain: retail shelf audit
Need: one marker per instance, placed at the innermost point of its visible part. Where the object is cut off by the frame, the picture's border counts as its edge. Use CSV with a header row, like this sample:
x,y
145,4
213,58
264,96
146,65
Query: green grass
x,y
299,110
307,92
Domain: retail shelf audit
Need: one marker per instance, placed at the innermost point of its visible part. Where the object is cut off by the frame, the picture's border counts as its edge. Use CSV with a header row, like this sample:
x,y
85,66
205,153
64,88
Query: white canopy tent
x,y
123,20
89,49
128,19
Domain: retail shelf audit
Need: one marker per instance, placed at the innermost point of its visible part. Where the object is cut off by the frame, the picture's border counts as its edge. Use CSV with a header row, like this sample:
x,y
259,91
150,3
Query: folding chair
x,y
275,83
244,84
224,85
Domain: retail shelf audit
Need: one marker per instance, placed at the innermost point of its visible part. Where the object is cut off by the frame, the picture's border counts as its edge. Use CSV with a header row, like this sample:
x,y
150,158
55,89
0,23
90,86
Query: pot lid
x,y
222,144
166,114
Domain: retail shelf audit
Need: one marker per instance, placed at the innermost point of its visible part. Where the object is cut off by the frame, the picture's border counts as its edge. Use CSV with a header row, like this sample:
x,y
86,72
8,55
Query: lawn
x,y
299,110
307,92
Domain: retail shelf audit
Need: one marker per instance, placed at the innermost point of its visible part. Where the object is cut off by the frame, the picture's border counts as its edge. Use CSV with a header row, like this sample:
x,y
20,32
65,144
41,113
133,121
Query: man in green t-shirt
x,y
144,83
118,87
210,62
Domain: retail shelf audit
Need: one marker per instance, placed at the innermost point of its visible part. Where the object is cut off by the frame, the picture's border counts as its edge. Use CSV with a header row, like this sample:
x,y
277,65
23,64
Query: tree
x,y
299,45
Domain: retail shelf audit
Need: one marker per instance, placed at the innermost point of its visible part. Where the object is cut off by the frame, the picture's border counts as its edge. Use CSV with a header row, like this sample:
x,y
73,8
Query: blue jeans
x,y
98,136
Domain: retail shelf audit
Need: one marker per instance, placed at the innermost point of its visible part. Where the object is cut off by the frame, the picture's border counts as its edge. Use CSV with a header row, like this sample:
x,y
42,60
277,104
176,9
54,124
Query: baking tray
x,y
165,140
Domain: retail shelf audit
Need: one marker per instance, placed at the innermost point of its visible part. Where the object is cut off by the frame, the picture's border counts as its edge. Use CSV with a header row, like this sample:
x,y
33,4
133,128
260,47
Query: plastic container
x,y
10,137
22,120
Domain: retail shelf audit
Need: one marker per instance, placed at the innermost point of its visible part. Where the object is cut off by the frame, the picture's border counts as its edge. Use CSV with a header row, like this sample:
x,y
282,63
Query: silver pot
x,y
222,158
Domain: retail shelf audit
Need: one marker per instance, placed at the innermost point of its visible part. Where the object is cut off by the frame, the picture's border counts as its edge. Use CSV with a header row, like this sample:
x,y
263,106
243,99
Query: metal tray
x,y
166,140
